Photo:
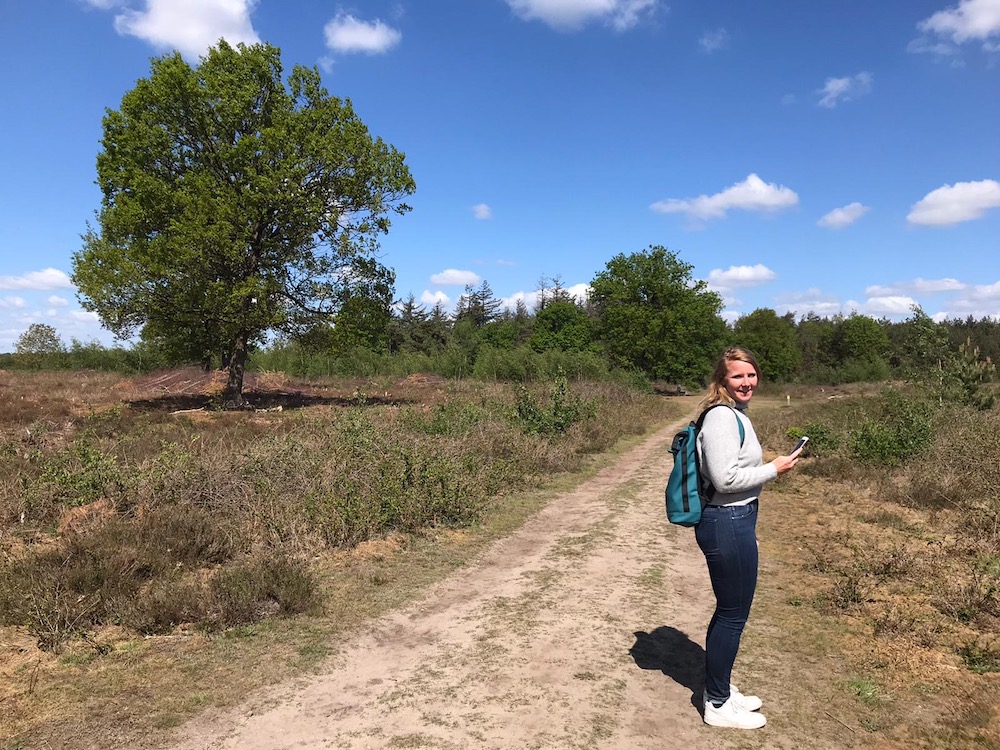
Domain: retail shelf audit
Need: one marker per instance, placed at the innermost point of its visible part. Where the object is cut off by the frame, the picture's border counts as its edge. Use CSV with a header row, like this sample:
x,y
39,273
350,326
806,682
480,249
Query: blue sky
x,y
824,156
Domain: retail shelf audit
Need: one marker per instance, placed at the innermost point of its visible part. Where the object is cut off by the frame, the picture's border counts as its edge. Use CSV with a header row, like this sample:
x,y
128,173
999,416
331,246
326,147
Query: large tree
x,y
656,317
235,203
773,340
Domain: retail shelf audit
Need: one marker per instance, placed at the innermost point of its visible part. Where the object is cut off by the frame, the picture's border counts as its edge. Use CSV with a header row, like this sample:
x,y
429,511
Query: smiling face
x,y
740,381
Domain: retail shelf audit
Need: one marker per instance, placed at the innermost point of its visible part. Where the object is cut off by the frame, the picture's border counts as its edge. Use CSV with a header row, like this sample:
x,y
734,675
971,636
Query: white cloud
x,y
432,298
987,292
736,277
191,26
58,301
838,90
85,317
345,34
454,277
503,262
893,305
12,303
753,194
844,216
970,20
50,278
811,301
530,300
939,49
712,41
482,211
571,15
917,286
104,4
952,204
580,292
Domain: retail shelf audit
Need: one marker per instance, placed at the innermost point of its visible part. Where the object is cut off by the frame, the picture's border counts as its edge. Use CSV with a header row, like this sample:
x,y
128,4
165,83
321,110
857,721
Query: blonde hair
x,y
717,393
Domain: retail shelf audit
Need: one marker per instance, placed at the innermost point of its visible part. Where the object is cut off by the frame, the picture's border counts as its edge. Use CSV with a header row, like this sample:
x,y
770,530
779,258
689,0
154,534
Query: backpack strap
x,y
709,487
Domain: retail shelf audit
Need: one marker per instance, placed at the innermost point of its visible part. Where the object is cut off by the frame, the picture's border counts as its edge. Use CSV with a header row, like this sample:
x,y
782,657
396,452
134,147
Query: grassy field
x,y
159,557
883,554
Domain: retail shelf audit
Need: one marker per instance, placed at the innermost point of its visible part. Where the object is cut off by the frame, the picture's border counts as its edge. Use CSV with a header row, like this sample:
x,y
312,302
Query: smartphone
x,y
800,444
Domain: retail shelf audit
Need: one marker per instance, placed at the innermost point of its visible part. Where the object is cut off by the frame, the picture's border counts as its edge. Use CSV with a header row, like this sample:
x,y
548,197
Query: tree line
x,y
644,315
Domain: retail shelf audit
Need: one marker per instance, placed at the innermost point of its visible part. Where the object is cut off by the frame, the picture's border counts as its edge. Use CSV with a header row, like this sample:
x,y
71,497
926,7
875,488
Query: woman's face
x,y
741,381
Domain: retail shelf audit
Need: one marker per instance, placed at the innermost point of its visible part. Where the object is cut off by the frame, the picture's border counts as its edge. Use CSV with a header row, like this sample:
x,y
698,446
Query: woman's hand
x,y
784,463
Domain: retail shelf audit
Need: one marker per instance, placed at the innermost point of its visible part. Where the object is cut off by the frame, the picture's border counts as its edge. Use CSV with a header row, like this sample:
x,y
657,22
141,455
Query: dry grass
x,y
897,572
130,508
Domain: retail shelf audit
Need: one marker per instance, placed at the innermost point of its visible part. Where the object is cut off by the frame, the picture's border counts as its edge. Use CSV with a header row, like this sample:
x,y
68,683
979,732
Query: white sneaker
x,y
747,702
731,714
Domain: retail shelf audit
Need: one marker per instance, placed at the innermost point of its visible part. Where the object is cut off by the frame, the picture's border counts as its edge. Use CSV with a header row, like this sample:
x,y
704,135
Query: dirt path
x,y
582,630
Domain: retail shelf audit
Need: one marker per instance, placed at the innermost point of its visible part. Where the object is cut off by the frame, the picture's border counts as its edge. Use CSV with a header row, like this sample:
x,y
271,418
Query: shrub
x,y
901,429
564,410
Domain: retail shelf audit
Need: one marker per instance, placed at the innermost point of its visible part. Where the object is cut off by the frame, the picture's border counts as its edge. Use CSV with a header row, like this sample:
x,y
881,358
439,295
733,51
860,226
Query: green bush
x,y
901,428
563,411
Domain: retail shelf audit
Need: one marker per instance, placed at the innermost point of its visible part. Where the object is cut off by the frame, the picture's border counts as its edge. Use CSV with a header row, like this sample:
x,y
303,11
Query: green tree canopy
x,y
39,338
773,339
919,345
859,338
563,325
235,204
655,317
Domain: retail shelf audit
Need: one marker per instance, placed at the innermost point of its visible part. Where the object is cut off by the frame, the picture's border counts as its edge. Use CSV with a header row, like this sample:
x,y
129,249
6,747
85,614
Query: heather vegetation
x,y
133,513
910,552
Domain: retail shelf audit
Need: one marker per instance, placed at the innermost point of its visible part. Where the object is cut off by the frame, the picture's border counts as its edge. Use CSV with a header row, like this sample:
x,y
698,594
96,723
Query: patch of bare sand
x,y
584,629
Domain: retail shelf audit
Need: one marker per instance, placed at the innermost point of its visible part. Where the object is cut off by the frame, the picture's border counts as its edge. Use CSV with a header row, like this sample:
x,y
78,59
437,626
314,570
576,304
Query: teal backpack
x,y
686,492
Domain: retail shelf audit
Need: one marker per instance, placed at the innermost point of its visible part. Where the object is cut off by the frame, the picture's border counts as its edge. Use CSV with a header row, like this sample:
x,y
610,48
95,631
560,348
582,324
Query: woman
x,y
727,530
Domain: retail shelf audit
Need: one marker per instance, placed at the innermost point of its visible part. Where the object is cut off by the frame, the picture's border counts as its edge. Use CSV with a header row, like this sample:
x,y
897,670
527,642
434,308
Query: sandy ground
x,y
584,629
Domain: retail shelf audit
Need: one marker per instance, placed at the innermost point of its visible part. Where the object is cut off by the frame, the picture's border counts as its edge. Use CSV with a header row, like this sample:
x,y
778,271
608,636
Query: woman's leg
x,y
728,537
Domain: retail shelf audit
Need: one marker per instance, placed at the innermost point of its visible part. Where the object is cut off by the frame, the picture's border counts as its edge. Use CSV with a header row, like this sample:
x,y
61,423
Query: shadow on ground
x,y
259,401
670,651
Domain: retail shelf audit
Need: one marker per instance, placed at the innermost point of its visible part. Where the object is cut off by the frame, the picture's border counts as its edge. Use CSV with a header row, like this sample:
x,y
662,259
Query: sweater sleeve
x,y
732,469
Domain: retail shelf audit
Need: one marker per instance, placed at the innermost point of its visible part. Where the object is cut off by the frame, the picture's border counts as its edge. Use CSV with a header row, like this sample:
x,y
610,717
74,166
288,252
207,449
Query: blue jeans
x,y
728,537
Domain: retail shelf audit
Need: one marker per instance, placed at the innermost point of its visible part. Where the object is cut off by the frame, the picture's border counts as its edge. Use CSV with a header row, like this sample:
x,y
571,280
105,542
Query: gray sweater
x,y
737,473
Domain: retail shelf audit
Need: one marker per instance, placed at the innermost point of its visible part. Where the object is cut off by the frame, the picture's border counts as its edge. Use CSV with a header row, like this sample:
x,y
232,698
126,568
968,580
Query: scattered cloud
x,y
890,305
917,286
57,301
812,300
953,204
985,292
839,90
432,298
190,26
572,15
530,300
503,262
482,211
454,277
712,41
941,50
346,34
50,278
12,303
844,216
970,20
736,277
753,194
788,100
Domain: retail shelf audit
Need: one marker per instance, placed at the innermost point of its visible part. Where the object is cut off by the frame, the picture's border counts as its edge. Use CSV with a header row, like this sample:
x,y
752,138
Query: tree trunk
x,y
233,395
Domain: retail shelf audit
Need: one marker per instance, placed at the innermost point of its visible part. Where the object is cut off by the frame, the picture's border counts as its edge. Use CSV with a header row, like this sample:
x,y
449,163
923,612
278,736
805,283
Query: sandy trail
x,y
584,629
